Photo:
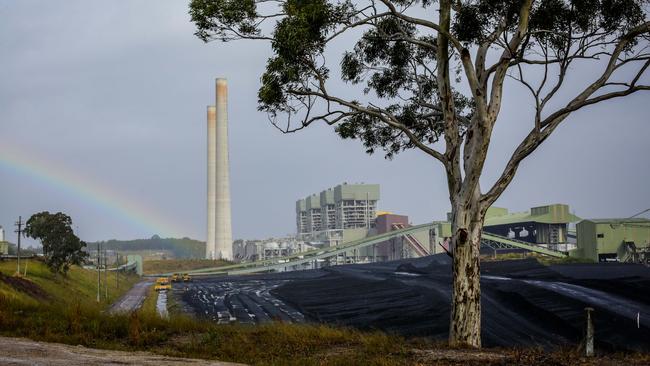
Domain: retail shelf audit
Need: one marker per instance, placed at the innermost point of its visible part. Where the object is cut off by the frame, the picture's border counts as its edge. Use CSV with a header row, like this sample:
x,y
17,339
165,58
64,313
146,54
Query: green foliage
x,y
223,16
62,248
182,248
394,57
297,40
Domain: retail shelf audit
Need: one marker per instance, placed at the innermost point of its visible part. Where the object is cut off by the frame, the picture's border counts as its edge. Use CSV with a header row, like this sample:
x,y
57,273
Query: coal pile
x,y
524,303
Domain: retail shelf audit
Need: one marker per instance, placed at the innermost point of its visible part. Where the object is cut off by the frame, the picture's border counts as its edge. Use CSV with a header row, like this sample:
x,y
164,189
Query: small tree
x,y
61,247
433,75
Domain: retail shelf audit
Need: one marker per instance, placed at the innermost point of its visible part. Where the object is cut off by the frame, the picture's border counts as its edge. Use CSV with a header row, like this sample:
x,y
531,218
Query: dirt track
x,y
18,351
133,299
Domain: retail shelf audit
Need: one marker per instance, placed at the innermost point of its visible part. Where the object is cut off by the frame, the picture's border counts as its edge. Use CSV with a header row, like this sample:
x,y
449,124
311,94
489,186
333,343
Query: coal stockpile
x,y
524,303
227,300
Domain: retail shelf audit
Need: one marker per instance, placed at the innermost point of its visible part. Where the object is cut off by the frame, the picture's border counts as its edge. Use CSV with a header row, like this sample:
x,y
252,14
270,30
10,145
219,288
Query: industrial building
x,y
346,206
4,246
337,215
621,240
542,225
254,250
348,212
412,245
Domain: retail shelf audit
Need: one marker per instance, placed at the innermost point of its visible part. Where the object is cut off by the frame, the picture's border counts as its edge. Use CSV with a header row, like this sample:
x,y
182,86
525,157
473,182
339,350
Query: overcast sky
x,y
102,116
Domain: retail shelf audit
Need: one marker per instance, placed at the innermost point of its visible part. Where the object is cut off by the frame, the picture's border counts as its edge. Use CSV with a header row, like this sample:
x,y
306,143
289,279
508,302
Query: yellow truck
x,y
186,277
162,283
176,277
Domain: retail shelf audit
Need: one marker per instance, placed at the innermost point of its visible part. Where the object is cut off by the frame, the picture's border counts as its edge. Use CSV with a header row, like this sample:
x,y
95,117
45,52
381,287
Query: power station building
x,y
544,225
219,236
346,206
620,240
348,212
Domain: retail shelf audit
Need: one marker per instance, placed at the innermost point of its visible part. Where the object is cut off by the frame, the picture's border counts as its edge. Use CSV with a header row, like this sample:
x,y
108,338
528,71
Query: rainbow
x,y
92,192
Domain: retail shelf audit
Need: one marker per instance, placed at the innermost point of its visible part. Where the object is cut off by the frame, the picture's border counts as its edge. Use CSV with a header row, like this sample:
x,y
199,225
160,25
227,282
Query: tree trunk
x,y
465,326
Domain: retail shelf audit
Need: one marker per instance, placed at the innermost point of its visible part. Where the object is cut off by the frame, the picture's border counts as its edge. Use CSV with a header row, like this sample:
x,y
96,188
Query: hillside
x,y
42,286
179,248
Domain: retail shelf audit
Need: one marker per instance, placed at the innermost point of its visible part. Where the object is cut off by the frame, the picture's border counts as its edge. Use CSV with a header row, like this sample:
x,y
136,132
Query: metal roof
x,y
551,214
620,221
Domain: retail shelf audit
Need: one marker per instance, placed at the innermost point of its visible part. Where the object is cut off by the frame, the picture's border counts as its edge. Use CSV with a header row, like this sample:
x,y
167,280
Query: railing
x,y
514,243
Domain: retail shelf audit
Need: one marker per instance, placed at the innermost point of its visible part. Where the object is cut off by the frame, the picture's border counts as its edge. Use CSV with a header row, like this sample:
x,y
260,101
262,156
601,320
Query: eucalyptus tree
x,y
431,76
61,247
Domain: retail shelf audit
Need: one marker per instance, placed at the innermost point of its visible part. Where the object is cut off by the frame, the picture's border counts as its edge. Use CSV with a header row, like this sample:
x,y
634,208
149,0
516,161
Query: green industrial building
x,y
623,240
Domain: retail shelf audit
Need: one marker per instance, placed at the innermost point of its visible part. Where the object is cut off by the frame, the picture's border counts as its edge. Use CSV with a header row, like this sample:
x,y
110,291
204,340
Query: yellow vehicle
x,y
186,277
176,277
162,283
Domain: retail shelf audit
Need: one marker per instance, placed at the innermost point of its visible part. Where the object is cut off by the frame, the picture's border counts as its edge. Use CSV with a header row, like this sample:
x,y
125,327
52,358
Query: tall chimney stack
x,y
219,244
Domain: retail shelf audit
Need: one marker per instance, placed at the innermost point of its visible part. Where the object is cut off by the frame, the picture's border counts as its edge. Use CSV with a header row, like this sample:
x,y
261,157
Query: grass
x,y
179,265
78,286
149,304
80,320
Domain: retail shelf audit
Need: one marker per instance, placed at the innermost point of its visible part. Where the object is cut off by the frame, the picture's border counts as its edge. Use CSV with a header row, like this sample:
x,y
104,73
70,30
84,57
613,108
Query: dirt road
x,y
19,351
133,299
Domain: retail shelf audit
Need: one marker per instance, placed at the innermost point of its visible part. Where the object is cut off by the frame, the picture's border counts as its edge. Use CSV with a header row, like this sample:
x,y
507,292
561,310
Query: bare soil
x,y
18,351
26,286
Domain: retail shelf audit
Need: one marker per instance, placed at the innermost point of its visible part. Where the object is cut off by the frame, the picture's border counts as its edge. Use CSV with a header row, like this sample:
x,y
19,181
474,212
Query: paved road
x,y
19,351
133,299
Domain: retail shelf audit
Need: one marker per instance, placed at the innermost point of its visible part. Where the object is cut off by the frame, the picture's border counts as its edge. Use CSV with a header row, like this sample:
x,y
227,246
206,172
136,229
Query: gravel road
x,y
133,299
18,351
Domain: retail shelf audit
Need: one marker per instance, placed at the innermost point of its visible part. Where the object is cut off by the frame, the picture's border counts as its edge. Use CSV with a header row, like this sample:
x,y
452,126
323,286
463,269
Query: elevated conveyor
x,y
298,259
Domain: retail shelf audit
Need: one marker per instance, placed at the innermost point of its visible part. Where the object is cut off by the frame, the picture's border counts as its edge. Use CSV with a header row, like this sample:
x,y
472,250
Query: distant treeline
x,y
182,248
24,250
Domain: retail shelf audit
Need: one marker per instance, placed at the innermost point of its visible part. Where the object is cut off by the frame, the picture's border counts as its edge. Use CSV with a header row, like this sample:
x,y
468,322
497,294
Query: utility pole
x,y
19,231
117,270
99,274
106,272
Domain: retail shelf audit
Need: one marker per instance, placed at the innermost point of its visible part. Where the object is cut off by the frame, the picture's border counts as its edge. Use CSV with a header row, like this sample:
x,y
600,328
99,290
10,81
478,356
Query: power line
x,y
640,213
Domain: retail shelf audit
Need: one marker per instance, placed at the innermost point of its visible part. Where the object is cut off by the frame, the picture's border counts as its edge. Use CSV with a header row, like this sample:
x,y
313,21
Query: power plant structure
x,y
219,240
342,225
4,246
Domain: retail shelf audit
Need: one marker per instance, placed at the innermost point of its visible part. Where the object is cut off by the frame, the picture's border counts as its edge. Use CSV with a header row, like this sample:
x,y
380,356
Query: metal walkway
x,y
298,259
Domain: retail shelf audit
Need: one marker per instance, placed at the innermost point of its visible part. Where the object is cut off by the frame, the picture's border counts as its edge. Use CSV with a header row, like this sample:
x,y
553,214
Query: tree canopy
x,y
61,247
431,76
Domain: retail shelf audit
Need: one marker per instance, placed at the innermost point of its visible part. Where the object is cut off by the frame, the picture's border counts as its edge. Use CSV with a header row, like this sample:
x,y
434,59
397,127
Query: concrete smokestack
x,y
212,181
219,245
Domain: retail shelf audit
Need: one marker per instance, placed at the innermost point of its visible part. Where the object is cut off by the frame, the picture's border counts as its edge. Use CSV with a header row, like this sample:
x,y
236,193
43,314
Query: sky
x,y
102,116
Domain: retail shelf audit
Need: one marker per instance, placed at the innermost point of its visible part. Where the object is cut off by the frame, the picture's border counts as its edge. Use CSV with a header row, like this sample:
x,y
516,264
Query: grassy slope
x,y
79,286
179,265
